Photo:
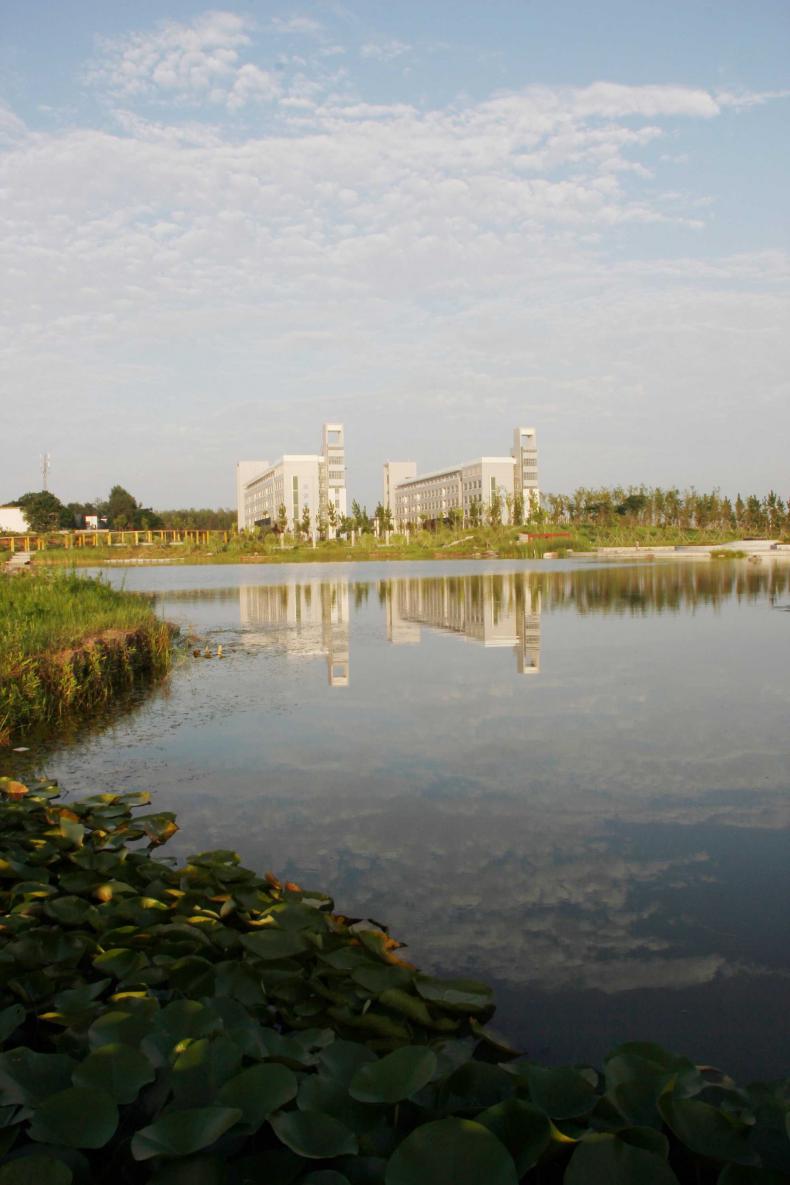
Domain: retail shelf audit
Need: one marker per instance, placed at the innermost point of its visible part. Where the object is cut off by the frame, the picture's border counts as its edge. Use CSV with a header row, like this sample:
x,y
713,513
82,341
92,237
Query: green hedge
x,y
202,1025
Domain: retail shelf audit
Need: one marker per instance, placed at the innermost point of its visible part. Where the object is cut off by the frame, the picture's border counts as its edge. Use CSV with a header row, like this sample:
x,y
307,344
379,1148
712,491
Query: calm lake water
x,y
568,780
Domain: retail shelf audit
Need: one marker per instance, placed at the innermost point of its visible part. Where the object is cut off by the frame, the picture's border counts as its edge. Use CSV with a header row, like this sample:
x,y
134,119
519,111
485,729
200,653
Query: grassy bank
x,y
203,1025
443,543
67,644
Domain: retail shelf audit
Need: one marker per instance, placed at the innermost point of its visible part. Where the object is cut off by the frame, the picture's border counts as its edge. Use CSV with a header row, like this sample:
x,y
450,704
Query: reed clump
x,y
68,644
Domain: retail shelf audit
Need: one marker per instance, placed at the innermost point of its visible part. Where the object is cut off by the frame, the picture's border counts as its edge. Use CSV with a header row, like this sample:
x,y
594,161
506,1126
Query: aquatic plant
x,y
69,643
202,1024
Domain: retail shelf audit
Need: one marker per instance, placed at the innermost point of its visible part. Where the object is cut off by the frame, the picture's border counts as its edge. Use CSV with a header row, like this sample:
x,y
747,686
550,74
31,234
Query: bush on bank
x,y
202,1025
68,644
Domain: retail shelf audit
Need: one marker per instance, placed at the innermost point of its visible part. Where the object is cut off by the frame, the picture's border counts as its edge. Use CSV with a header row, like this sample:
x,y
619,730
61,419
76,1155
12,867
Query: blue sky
x,y
221,226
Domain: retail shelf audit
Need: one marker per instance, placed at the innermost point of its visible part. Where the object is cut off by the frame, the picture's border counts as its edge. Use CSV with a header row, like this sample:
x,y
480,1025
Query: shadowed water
x,y
571,781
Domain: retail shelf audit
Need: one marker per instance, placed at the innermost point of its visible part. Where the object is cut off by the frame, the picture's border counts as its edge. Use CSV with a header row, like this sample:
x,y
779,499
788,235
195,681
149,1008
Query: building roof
x,y
453,469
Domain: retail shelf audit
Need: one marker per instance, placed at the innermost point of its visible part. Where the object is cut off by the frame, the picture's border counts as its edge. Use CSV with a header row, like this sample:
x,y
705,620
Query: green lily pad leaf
x,y
258,1092
118,1070
475,1085
739,1174
127,1025
635,1080
706,1130
270,943
191,1170
276,1166
376,978
604,1159
562,1093
342,1059
10,1019
80,1117
322,1177
35,1170
28,1077
523,1129
451,1152
79,999
397,1076
457,995
313,1135
647,1138
293,915
120,962
183,1132
317,1092
202,1068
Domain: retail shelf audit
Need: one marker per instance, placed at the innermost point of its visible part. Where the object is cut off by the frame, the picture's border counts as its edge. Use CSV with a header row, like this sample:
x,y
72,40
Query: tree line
x,y
656,507
120,511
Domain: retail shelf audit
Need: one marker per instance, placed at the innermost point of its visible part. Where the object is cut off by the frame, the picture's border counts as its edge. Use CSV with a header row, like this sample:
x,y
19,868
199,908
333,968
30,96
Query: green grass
x,y
471,542
67,643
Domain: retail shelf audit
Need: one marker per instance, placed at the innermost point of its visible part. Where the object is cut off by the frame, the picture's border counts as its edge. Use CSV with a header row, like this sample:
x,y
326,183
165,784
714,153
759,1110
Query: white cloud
x,y
184,62
461,257
296,25
384,51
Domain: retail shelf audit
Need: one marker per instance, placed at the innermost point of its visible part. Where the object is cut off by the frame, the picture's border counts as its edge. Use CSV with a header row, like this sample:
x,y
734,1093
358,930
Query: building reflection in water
x,y
312,617
495,610
305,619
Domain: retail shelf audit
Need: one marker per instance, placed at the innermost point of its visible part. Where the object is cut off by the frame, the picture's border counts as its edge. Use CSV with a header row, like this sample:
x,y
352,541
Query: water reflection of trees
x,y
638,589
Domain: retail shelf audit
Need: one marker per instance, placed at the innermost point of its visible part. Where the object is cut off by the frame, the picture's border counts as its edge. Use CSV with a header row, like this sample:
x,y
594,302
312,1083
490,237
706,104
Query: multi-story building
x,y
300,482
466,490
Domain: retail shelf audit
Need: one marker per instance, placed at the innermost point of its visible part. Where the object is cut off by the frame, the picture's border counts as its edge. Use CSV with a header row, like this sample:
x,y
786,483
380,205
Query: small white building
x,y
466,489
12,518
314,483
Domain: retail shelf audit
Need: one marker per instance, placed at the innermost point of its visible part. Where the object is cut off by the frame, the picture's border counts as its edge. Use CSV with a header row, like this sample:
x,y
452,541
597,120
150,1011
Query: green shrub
x,y
202,1025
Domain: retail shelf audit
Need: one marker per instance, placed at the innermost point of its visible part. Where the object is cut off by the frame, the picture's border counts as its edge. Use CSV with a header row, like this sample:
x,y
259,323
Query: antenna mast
x,y
45,463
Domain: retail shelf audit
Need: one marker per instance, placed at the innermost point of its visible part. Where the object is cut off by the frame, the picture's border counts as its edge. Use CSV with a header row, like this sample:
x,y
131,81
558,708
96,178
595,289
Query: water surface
x,y
571,781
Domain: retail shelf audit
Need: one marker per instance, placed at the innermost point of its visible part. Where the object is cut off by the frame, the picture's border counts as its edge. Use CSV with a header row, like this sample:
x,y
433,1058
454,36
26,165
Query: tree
x,y
45,512
495,511
361,518
518,509
475,511
282,518
304,525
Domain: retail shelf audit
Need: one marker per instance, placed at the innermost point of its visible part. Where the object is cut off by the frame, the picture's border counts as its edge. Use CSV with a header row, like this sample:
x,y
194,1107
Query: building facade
x,y
299,488
467,491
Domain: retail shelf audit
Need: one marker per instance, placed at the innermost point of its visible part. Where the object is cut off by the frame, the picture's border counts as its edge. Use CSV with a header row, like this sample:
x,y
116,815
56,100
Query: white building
x,y
466,489
13,519
312,482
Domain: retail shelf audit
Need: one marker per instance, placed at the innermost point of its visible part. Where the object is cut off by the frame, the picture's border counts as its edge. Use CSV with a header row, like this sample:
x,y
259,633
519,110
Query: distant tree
x,y
202,519
304,525
122,509
495,511
475,512
45,512
361,518
518,509
282,518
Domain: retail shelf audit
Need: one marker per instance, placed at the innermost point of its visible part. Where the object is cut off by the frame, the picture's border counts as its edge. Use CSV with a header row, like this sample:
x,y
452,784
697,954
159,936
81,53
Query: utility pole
x,y
45,463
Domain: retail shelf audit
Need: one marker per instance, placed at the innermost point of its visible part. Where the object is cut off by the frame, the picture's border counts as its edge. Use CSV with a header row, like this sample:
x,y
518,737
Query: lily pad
x,y
182,1132
603,1159
118,1070
451,1152
314,1135
397,1076
258,1092
80,1117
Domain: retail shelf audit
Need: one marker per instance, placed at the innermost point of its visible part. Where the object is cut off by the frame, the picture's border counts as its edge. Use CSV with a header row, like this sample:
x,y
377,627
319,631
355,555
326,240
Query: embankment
x,y
68,645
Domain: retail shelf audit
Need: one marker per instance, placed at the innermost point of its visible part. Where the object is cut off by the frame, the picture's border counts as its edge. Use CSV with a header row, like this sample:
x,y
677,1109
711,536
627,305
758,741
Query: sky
x,y
433,222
